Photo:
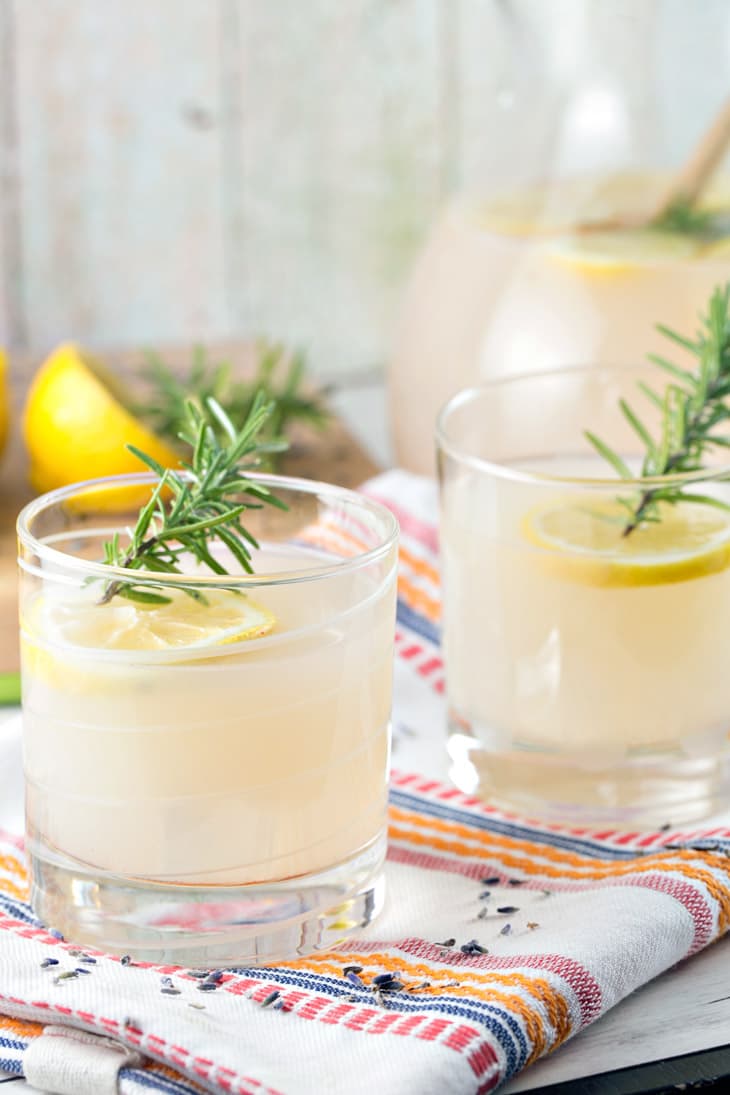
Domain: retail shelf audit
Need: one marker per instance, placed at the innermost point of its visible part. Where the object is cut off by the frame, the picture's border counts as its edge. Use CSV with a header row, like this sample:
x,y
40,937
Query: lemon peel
x,y
581,541
76,427
183,623
622,252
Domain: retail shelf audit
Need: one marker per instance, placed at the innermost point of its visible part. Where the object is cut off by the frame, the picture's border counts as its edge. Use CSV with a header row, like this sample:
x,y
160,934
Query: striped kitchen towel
x,y
500,939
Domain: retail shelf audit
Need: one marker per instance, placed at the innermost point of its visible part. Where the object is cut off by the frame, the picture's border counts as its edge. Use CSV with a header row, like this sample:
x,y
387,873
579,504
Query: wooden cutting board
x,y
332,455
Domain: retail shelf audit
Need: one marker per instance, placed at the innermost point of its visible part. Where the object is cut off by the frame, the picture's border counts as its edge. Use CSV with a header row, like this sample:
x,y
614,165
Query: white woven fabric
x,y
66,1061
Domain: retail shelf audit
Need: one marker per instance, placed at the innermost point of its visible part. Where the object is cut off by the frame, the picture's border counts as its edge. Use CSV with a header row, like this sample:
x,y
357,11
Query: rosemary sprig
x,y
189,509
685,219
693,406
279,375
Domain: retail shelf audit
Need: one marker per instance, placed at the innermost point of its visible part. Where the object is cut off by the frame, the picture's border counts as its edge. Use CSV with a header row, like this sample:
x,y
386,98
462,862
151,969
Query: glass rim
x,y
447,444
61,559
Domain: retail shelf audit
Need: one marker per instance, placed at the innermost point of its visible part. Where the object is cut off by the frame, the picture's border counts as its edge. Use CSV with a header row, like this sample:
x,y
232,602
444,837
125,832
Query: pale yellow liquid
x,y
496,295
261,760
540,659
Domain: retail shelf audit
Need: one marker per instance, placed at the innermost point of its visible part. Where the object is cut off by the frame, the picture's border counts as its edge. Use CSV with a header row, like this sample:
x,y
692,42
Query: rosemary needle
x,y
204,502
279,375
693,407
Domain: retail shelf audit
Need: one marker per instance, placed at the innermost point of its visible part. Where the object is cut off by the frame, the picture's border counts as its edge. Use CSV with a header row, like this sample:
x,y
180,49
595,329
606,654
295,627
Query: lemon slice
x,y
622,252
555,208
181,624
719,251
76,426
582,541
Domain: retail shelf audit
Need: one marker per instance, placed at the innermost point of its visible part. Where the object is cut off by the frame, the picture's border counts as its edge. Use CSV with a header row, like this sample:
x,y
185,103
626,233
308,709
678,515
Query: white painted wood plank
x,y
6,156
120,170
340,146
11,313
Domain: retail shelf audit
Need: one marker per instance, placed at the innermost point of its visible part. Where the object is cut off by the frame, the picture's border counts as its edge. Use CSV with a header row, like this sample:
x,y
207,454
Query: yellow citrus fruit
x,y
76,424
223,617
54,630
582,541
555,209
597,254
4,402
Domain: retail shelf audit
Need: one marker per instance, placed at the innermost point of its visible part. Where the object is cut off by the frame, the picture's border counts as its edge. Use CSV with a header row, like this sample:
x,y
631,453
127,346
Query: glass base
x,y
646,790
207,926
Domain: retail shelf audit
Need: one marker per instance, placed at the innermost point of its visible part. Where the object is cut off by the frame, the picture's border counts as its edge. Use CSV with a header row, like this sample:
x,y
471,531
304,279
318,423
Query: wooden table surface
x,y
332,455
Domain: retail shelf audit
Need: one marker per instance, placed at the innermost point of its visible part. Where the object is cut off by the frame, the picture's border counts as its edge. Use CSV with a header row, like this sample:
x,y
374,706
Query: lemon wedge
x,y
622,251
180,624
76,425
556,207
551,212
581,541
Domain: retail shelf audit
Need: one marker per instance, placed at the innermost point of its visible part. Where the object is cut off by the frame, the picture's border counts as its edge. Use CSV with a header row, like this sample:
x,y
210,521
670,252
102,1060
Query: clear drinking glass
x,y
206,783
587,670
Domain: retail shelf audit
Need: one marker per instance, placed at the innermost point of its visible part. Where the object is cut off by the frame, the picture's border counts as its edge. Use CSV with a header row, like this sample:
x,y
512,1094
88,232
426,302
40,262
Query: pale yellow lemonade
x,y
508,285
573,651
233,742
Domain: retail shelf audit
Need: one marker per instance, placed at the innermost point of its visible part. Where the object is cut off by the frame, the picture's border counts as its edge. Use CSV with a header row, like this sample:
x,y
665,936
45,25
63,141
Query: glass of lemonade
x,y
207,778
587,670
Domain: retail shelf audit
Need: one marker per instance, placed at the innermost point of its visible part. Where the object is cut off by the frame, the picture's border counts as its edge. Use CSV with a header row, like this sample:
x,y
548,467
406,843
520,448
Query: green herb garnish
x,y
279,376
9,688
685,218
204,502
692,407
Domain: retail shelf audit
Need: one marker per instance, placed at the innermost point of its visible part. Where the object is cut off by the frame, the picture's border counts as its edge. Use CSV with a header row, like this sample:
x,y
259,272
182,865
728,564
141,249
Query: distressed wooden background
x,y
174,170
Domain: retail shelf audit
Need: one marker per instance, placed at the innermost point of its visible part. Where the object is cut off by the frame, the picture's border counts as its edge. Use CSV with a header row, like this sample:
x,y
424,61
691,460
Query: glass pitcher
x,y
560,242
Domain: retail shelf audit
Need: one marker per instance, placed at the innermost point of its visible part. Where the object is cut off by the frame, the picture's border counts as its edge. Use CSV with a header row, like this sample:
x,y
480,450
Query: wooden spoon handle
x,y
686,186
696,173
